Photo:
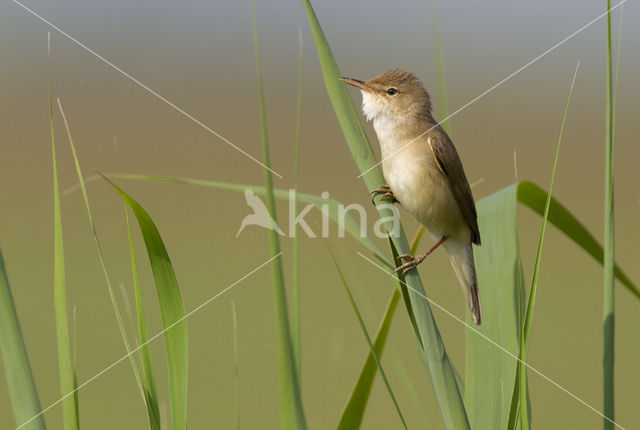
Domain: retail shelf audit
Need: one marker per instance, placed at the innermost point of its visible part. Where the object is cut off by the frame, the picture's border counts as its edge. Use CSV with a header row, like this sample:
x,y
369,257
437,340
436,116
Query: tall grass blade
x,y
144,391
608,323
443,100
17,370
148,381
65,369
528,319
489,370
291,408
354,409
295,311
236,367
443,375
171,309
75,363
348,424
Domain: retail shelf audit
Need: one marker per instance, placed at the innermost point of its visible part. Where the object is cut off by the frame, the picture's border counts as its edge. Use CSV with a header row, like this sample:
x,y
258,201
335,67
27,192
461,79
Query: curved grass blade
x,y
17,370
112,296
349,421
148,382
65,370
532,196
291,408
171,309
443,375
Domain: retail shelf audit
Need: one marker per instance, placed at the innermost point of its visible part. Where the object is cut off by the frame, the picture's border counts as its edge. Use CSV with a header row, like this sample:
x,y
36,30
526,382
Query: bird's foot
x,y
412,262
385,194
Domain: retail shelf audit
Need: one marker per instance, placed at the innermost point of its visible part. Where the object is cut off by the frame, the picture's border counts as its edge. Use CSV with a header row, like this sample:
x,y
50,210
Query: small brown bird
x,y
423,172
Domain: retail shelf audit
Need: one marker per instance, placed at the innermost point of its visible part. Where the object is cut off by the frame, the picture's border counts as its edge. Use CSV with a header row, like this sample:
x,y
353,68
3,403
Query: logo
x,y
260,215
331,209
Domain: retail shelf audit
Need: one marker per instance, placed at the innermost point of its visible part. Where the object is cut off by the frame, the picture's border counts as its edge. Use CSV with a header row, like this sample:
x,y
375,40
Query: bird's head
x,y
396,93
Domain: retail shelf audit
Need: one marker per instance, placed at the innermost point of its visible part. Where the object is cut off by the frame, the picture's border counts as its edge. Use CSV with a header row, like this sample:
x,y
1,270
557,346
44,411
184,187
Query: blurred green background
x,y
199,55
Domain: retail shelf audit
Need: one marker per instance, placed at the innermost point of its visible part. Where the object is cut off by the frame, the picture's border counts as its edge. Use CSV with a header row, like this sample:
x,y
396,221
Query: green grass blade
x,y
356,405
489,369
443,100
236,367
171,309
291,408
75,365
295,310
354,409
65,370
17,370
353,422
112,296
616,73
528,319
148,382
443,375
532,196
352,227
608,323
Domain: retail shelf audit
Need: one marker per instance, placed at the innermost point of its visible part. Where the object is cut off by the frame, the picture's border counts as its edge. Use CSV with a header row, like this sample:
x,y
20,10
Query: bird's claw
x,y
412,263
386,192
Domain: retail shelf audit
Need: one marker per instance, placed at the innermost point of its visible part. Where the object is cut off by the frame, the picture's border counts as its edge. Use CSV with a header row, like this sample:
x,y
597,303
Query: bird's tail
x,y
461,256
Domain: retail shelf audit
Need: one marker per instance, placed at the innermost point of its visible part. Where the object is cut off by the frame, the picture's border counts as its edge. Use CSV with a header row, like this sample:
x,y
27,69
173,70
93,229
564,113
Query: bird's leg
x,y
386,192
414,261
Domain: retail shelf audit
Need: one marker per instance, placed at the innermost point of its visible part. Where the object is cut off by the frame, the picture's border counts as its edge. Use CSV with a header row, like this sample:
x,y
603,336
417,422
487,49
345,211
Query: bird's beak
x,y
358,84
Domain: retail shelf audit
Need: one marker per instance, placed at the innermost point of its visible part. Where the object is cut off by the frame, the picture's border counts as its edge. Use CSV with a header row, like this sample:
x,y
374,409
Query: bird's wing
x,y
450,165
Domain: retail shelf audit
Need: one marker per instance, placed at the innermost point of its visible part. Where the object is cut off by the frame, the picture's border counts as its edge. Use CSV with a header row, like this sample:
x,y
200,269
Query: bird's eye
x,y
392,91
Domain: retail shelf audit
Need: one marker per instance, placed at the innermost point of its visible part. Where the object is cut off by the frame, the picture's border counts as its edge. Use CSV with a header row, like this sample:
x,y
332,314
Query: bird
x,y
423,172
260,215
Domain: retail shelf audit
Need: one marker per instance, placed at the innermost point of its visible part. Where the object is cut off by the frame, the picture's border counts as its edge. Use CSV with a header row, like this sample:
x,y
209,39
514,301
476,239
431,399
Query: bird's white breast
x,y
412,174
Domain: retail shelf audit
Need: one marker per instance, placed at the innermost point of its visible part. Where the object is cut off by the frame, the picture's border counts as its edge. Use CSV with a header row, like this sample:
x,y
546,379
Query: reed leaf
x,y
296,333
608,323
488,368
171,310
291,408
112,296
353,412
65,369
148,380
349,421
15,360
